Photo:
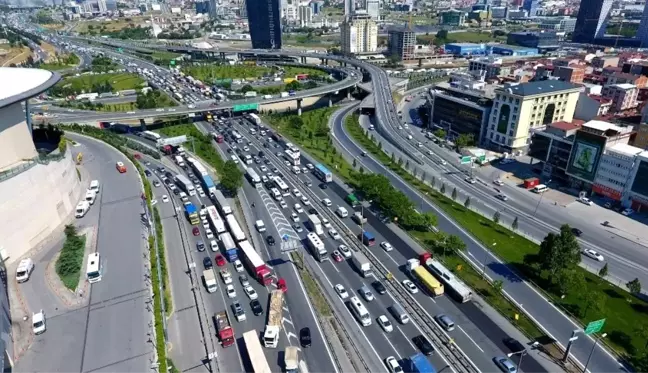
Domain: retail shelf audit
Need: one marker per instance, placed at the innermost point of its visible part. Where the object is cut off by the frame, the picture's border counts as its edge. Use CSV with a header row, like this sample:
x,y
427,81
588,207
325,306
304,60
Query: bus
x,y
197,167
216,222
255,353
253,177
221,202
360,311
235,228
185,185
93,271
317,246
282,186
151,136
293,157
323,174
453,286
236,135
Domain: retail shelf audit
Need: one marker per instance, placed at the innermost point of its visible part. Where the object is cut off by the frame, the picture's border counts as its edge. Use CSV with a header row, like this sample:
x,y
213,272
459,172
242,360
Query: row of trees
x,y
151,99
461,141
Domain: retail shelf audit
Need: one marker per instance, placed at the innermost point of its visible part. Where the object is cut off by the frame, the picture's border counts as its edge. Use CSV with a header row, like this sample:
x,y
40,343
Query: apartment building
x,y
623,96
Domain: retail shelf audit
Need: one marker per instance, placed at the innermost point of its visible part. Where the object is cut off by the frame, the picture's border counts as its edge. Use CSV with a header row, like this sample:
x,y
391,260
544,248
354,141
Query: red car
x,y
195,231
220,261
281,285
337,256
137,156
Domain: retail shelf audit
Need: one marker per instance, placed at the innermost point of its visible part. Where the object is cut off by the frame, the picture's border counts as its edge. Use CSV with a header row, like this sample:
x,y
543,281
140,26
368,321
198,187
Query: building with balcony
x,y
359,34
591,106
558,24
640,81
491,65
623,96
615,172
542,40
605,61
402,43
638,194
519,108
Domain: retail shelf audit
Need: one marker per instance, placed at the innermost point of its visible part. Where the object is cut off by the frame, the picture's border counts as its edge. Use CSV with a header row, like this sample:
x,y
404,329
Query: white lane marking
x,y
472,340
391,344
406,338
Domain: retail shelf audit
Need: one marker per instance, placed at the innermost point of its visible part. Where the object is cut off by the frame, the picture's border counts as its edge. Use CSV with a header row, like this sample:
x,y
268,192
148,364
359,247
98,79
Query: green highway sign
x,y
245,107
172,62
594,326
466,160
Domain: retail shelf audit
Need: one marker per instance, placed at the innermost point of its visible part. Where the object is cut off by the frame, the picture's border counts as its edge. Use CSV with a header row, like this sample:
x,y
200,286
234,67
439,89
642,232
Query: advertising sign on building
x,y
585,155
607,192
353,39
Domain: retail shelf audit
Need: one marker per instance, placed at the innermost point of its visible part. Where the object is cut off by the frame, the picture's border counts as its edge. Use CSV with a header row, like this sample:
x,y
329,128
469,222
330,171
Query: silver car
x,y
445,322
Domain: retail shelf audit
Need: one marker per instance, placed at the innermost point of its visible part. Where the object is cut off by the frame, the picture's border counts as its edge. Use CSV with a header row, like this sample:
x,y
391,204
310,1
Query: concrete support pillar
x,y
28,117
222,55
348,94
299,107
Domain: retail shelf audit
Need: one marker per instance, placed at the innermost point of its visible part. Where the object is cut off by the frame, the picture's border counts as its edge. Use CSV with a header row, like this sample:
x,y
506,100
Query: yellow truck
x,y
425,278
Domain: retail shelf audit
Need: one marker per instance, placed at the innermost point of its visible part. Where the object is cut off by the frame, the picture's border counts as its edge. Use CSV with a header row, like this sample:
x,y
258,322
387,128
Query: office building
x,y
373,9
605,61
552,146
544,40
559,24
212,8
623,96
615,172
465,49
531,6
511,50
521,107
517,13
591,106
264,19
101,6
359,34
641,138
490,66
591,20
402,43
642,33
571,74
638,194
305,15
349,8
202,7
453,17
499,12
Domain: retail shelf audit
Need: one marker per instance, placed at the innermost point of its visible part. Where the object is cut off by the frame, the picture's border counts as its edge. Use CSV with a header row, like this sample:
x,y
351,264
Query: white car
x,y
386,246
393,365
326,223
38,322
296,192
250,292
209,233
471,180
430,152
305,201
410,286
201,192
165,198
310,166
205,224
283,204
298,208
231,292
585,201
294,217
627,212
263,169
334,234
238,266
341,291
592,254
385,324
498,182
345,251
327,202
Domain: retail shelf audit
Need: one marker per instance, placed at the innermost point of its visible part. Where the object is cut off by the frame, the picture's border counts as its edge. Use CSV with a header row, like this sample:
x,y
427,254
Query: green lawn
x,y
291,71
313,136
626,315
464,37
119,81
210,72
203,147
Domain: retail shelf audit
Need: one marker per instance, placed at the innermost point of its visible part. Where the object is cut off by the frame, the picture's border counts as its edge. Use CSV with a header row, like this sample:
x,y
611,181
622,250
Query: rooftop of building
x,y
511,47
541,87
621,74
602,126
600,99
466,44
478,96
568,126
534,33
19,84
625,149
624,86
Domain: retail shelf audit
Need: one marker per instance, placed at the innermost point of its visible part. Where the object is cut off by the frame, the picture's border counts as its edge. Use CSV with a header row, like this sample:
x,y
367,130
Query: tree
x,y
232,178
440,133
464,140
514,226
559,251
634,286
380,145
569,281
496,217
591,300
603,271
498,285
455,244
443,188
393,157
247,88
454,194
442,34
467,203
296,122
355,163
641,331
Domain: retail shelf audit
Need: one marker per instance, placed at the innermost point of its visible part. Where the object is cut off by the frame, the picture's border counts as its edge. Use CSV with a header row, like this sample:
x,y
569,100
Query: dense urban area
x,y
324,186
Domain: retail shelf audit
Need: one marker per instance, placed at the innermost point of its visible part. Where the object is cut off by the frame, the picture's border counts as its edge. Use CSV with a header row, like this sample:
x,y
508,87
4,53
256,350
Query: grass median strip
x,y
312,288
69,262
627,316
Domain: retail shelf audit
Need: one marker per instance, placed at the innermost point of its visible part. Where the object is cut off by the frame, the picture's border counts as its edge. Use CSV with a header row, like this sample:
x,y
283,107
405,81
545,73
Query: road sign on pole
x,y
594,326
466,160
290,245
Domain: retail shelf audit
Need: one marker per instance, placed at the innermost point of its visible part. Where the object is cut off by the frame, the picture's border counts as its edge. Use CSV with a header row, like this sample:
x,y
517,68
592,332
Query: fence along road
x,y
457,359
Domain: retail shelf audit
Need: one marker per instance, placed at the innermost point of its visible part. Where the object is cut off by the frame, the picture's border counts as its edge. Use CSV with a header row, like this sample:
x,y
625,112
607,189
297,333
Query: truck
x,y
275,315
255,118
229,246
128,92
368,238
291,359
224,328
177,95
210,280
420,364
315,224
250,94
424,278
359,218
361,263
284,94
352,200
192,214
180,161
226,276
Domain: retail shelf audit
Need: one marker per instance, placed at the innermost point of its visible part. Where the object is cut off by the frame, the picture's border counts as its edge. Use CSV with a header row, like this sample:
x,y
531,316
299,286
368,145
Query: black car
x,y
380,288
207,263
229,150
305,337
312,211
200,246
147,173
266,161
323,186
513,344
270,240
577,232
256,307
176,191
161,170
168,181
261,154
423,344
169,175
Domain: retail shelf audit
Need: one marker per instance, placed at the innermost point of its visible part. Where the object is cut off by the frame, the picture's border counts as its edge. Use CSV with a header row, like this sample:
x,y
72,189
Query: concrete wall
x,y
290,105
35,203
15,139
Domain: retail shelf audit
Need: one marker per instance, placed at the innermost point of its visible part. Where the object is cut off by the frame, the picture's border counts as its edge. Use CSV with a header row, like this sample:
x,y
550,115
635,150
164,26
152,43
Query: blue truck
x,y
368,238
420,364
229,246
208,182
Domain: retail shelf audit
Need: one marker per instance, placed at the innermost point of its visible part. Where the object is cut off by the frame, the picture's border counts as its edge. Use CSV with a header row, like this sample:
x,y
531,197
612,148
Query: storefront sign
x,y
606,191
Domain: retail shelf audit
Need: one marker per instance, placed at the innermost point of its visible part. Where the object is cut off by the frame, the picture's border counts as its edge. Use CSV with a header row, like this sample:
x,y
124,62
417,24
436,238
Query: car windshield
x,y
92,275
38,324
21,273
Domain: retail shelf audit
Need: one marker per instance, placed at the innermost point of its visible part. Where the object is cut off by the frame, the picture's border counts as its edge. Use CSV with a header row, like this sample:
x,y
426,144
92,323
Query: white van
x,y
540,188
342,212
94,186
260,226
24,270
296,170
90,196
276,194
81,209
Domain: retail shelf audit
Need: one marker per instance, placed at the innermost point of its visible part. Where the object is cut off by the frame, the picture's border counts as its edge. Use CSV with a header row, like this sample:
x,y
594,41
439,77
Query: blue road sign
x,y
285,237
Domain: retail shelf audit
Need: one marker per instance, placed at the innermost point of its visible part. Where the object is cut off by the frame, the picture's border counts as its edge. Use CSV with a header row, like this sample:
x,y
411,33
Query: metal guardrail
x,y
444,343
29,163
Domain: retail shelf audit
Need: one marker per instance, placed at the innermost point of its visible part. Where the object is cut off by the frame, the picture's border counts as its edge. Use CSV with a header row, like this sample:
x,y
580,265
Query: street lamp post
x,y
592,352
540,200
522,354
